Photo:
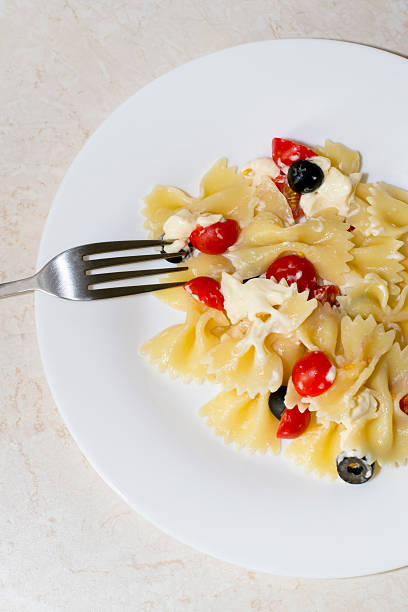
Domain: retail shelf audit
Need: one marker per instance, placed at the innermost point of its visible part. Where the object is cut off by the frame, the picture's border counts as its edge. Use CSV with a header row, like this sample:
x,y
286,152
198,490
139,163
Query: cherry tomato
x,y
294,269
207,291
313,374
216,238
280,181
326,294
293,199
285,152
291,196
404,404
293,423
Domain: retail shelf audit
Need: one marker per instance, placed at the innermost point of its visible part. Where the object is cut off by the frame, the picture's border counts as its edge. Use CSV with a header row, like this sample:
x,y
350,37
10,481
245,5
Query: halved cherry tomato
x,y
207,291
293,423
216,238
280,181
326,294
285,152
313,374
404,404
293,198
294,269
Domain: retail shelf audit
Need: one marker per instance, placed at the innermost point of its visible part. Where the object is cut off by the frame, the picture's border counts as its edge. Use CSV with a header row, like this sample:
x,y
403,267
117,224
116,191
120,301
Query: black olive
x,y
276,402
304,176
354,470
247,279
186,252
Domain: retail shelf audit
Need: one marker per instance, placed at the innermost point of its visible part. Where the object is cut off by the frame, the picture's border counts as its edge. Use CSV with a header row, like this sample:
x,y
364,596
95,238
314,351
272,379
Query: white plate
x,y
139,429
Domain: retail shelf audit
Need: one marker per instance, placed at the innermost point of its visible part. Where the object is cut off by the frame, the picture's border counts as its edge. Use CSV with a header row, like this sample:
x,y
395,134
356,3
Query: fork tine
x,y
120,245
105,262
121,291
109,277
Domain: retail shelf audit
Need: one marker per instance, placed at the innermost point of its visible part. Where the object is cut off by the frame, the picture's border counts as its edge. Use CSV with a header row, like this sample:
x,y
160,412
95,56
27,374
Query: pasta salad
x,y
295,302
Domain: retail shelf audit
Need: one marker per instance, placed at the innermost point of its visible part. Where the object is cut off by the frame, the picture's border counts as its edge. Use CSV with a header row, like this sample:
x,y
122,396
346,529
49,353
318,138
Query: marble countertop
x,y
69,542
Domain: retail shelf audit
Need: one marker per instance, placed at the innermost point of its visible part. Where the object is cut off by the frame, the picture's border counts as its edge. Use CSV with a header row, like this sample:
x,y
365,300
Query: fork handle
x,y
18,286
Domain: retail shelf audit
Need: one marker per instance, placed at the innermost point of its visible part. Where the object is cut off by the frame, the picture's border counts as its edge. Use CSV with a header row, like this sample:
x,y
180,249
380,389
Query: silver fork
x,y
68,274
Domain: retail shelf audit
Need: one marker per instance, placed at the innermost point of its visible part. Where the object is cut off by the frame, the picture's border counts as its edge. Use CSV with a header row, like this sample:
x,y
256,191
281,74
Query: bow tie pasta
x,y
294,291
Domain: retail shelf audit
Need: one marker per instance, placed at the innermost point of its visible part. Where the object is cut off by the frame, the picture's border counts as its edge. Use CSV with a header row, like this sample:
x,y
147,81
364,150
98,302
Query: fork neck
x,y
19,286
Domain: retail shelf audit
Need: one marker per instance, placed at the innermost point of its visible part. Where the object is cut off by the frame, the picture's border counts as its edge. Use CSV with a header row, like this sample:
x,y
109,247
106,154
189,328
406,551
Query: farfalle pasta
x,y
325,242
245,421
295,295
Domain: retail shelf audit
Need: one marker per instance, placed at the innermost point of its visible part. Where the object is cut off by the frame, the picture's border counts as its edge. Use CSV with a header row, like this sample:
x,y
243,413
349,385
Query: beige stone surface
x,y
67,541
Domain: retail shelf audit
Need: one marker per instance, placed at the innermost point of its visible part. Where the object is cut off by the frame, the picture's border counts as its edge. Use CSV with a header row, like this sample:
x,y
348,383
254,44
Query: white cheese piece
x,y
207,219
331,374
260,169
336,191
255,336
364,406
323,162
362,409
247,300
256,301
179,226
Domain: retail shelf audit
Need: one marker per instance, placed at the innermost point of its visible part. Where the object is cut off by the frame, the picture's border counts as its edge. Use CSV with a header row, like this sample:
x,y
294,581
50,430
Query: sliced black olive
x,y
247,279
304,176
179,258
276,402
354,470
